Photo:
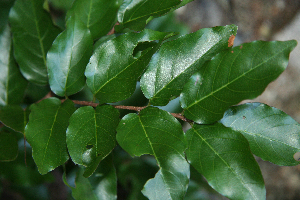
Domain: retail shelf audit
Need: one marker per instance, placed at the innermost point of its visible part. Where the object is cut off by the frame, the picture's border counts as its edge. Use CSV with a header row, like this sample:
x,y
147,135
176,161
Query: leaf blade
x,y
224,158
91,135
272,134
99,16
67,58
133,14
33,34
46,133
177,60
232,76
146,133
8,146
113,70
14,117
12,83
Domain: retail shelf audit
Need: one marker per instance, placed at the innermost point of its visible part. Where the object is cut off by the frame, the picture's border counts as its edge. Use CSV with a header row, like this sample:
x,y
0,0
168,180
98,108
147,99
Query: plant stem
x,y
134,108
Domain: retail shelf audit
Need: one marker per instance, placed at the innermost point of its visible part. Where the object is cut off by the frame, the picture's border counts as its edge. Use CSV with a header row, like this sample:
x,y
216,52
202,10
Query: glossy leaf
x,y
8,147
99,16
68,57
116,65
158,133
223,157
91,135
14,117
177,60
272,134
12,83
33,34
46,132
232,76
133,14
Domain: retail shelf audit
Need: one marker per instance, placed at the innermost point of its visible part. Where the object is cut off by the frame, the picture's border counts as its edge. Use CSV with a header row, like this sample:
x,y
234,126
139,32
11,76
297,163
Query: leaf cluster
x,y
110,83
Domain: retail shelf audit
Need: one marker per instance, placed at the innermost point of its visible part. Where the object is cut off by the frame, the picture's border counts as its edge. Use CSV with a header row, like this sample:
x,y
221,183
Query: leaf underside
x,y
272,134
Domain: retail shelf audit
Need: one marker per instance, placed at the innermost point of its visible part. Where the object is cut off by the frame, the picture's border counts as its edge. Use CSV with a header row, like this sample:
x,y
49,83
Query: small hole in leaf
x,y
297,156
140,47
89,146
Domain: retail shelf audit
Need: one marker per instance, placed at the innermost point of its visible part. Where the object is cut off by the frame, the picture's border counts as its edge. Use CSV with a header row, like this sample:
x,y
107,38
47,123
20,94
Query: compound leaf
x,y
158,133
33,34
223,157
91,135
272,134
68,57
116,65
99,16
178,60
133,14
46,132
12,83
232,76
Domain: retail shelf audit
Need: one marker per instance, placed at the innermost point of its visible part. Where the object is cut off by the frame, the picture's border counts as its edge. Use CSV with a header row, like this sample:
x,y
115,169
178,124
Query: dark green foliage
x,y
127,72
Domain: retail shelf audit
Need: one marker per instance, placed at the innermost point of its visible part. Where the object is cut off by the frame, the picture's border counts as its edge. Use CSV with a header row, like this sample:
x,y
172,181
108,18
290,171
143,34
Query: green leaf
x,y
12,83
133,14
272,134
177,60
158,133
4,11
14,117
133,176
105,180
183,3
68,57
116,65
8,146
46,132
33,34
232,76
102,185
91,135
223,157
99,16
83,189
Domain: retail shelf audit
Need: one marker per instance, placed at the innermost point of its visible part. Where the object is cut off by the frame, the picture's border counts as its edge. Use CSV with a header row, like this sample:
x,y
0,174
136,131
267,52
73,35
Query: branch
x,y
134,108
